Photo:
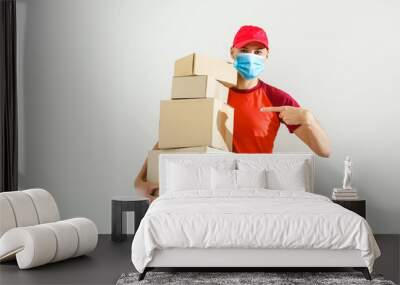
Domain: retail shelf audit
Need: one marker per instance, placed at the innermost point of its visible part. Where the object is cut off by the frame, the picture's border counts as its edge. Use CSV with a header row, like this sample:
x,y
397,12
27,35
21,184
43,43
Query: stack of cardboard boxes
x,y
197,119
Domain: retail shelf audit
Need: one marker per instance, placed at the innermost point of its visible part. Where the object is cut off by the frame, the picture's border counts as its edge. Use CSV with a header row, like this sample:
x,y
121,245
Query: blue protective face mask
x,y
249,65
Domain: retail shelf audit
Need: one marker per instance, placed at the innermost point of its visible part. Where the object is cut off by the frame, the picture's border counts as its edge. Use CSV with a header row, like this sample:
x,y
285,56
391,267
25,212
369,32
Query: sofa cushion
x,y
7,215
23,208
45,205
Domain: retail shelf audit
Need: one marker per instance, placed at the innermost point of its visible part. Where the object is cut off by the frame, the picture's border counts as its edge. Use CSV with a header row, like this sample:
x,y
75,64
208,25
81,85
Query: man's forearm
x,y
142,175
318,139
311,133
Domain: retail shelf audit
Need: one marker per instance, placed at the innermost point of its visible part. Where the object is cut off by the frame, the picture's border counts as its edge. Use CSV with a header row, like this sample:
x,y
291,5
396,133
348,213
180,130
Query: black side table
x,y
357,206
120,205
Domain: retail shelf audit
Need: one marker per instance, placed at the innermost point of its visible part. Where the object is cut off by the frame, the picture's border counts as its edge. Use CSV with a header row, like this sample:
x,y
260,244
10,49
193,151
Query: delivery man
x,y
259,107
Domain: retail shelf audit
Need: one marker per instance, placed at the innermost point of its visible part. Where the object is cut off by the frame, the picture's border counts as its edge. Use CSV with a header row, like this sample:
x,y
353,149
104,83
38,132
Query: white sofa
x,y
31,231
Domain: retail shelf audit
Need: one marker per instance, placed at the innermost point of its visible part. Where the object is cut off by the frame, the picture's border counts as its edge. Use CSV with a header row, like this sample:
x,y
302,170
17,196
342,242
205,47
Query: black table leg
x,y
118,222
140,211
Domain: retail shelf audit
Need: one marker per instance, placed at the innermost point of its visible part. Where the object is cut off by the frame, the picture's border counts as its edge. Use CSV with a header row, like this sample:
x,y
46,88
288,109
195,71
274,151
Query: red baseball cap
x,y
248,34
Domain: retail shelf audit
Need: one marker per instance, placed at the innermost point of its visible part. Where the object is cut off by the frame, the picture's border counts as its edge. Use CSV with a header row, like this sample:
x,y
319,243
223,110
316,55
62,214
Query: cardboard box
x,y
199,64
153,155
196,122
202,86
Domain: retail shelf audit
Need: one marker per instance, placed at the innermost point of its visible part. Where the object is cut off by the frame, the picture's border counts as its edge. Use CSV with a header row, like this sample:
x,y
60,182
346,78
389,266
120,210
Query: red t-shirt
x,y
255,131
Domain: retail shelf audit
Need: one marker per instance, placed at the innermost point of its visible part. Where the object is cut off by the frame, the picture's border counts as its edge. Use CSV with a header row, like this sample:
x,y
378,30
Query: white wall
x,y
92,73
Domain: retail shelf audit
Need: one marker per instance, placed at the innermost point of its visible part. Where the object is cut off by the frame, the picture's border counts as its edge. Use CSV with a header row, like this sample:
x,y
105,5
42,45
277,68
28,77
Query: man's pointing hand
x,y
291,115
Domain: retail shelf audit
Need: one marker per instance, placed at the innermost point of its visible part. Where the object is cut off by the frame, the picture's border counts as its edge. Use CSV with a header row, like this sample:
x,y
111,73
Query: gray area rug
x,y
275,278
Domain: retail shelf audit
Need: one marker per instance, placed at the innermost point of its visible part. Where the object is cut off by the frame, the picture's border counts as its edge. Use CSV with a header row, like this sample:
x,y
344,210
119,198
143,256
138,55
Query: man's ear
x,y
232,53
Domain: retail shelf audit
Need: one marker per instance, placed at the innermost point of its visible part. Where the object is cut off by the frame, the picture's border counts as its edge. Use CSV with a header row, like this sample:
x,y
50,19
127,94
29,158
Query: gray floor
x,y
103,266
110,259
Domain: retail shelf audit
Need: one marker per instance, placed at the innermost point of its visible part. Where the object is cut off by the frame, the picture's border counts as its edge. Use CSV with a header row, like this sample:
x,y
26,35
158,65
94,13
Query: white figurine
x,y
347,173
